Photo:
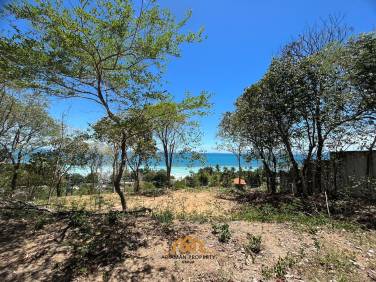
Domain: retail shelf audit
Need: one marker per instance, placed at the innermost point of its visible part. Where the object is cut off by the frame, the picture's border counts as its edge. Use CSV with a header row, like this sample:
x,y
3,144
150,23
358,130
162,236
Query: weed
x,y
40,223
279,270
334,260
113,217
222,231
79,220
254,244
164,217
317,244
288,213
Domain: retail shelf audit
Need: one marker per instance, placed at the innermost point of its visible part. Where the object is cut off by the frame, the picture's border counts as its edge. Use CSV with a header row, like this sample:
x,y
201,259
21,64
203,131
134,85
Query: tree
x,y
130,124
67,150
7,105
176,129
95,159
311,96
29,128
109,131
231,138
361,65
142,148
256,127
110,52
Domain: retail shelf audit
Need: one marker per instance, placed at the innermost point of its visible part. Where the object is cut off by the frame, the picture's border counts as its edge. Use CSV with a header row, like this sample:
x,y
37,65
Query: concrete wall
x,y
350,172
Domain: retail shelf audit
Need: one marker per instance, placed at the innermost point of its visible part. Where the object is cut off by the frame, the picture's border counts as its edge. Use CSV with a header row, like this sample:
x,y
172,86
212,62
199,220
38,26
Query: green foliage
x,y
176,127
279,270
157,178
222,231
292,213
165,217
254,244
179,184
80,220
113,217
113,40
40,222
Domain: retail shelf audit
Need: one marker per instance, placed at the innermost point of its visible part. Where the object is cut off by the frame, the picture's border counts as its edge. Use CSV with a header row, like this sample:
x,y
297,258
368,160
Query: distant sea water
x,y
182,166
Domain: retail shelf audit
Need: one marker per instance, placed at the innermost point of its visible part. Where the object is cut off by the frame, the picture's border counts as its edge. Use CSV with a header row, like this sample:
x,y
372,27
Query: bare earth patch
x,y
183,201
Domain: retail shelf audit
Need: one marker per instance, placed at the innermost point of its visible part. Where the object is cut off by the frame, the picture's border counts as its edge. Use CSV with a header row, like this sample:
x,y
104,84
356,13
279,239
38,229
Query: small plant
x,y
40,223
317,244
80,221
113,217
164,217
222,231
253,245
279,270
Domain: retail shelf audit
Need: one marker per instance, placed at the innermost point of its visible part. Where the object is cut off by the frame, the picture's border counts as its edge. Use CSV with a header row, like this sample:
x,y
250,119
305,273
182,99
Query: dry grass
x,y
179,202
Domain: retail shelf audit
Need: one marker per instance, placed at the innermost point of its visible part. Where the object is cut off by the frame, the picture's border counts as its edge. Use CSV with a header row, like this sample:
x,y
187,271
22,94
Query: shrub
x,y
222,231
148,186
79,220
254,244
112,217
179,184
164,217
40,223
279,270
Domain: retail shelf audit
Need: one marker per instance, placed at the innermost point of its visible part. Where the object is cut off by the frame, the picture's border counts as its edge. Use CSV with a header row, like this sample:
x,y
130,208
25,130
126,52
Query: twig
x,y
327,204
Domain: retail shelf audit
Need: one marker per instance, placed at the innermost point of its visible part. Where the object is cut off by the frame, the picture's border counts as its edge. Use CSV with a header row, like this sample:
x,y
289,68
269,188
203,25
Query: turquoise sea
x,y
182,166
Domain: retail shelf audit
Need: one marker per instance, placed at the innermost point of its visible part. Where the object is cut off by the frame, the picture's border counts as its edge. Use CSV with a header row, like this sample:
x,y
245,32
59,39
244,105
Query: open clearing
x,y
85,247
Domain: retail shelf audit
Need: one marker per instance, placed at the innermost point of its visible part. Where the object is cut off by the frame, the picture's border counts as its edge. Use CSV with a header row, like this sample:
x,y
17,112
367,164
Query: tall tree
x,y
142,147
31,129
232,140
110,52
257,128
176,127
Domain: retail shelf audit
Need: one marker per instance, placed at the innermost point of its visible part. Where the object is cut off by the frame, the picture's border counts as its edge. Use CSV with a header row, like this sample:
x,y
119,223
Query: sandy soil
x,y
199,202
135,248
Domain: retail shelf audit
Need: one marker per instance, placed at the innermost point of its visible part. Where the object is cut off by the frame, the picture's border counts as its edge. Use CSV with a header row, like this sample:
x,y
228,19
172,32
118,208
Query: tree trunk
x,y
318,173
270,179
117,180
58,188
137,181
168,175
370,162
239,167
16,168
298,179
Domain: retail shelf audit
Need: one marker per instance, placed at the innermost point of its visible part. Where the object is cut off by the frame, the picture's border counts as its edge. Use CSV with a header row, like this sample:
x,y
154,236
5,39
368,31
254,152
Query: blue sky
x,y
242,37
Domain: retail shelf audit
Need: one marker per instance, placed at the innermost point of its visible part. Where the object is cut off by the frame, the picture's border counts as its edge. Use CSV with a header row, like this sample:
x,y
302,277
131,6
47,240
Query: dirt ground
x,y
181,201
136,248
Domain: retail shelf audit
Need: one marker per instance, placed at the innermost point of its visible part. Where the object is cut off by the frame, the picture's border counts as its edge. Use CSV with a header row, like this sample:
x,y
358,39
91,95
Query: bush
x,y
165,217
179,184
40,223
146,186
279,270
113,217
253,245
158,178
222,231
192,181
